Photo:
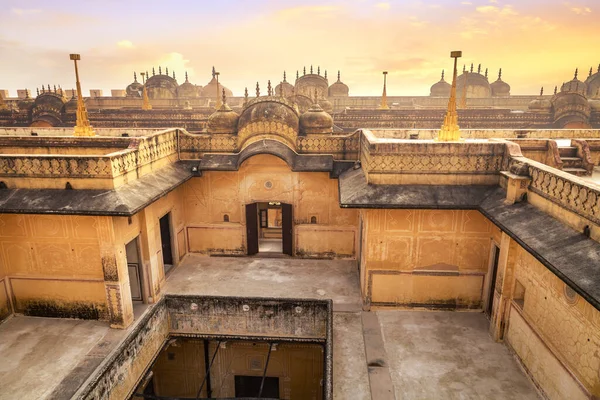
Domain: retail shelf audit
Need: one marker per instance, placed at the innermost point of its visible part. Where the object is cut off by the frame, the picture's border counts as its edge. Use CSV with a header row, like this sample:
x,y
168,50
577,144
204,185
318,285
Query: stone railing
x,y
196,145
566,190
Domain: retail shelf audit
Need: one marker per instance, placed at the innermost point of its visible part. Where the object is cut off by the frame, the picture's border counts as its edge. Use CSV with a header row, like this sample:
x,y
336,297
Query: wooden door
x,y
252,228
287,228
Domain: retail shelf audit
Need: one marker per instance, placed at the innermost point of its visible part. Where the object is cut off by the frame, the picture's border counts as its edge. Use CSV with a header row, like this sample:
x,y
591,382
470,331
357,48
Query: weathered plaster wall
x,y
265,178
179,369
5,306
554,331
52,265
426,258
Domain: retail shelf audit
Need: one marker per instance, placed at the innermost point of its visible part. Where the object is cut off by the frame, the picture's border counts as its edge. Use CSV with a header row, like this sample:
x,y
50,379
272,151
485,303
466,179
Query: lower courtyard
x,y
378,354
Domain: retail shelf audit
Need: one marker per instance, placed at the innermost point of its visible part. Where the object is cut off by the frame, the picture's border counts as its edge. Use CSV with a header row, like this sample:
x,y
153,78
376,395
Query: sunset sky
x,y
536,42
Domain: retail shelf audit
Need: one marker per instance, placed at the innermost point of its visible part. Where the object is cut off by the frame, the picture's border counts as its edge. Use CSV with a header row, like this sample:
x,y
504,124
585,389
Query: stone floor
x,y
270,246
269,277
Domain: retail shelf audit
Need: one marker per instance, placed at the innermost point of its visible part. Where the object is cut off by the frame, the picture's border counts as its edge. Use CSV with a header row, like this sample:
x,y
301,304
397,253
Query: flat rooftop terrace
x,y
384,354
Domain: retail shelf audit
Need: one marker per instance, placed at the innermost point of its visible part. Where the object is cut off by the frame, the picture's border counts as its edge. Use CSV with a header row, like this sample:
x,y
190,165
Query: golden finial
x,y
145,100
384,105
450,130
82,126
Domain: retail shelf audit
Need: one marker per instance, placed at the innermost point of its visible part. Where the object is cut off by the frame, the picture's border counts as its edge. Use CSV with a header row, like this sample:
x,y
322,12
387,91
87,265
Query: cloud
x,y
581,10
506,10
383,6
416,22
24,11
125,44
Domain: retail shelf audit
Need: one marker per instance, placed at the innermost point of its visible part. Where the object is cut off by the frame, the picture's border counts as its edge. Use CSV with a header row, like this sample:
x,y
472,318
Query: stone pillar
x,y
516,187
116,276
504,287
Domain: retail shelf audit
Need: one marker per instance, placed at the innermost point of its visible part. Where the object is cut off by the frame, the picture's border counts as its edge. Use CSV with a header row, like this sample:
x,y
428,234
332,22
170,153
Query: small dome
x,y
210,90
187,89
284,86
571,109
71,105
574,85
307,84
161,86
268,115
338,89
441,88
499,87
135,88
326,105
594,105
540,105
316,121
593,84
224,120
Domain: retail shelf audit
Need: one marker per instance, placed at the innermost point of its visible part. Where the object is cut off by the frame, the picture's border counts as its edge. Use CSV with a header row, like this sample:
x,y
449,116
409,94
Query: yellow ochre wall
x,y
554,332
429,258
265,178
52,265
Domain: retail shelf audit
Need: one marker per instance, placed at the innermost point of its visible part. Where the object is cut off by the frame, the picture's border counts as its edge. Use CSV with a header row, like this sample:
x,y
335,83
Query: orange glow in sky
x,y
535,42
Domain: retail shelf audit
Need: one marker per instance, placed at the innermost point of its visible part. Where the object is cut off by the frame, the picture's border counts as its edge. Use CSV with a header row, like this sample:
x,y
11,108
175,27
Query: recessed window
x,y
226,218
313,219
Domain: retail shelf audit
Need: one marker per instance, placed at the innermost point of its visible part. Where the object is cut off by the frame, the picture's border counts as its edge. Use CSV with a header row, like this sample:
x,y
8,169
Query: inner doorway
x,y
492,284
134,268
269,228
165,239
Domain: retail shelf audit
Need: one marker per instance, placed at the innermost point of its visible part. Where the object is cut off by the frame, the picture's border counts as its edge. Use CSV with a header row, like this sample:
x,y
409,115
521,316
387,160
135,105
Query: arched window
x,y
226,218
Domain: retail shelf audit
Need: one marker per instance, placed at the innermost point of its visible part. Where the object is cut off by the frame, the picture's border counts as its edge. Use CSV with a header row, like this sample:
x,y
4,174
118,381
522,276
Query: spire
x,y
590,74
479,69
486,73
153,71
450,130
464,68
167,71
173,74
213,71
555,89
311,69
257,90
147,74
82,125
269,88
245,96
54,88
576,72
338,76
284,76
500,74
38,90
224,98
134,77
49,91
26,93
297,74
186,76
325,74
471,68
384,105
73,92
542,91
159,70
442,76
304,71
316,97
319,70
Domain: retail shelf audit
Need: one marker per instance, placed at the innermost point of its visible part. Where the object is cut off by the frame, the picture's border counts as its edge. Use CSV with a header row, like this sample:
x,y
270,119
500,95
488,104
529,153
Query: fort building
x,y
282,248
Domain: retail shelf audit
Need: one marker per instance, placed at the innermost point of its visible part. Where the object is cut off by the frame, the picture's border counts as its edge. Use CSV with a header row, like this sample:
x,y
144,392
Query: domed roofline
x,y
277,99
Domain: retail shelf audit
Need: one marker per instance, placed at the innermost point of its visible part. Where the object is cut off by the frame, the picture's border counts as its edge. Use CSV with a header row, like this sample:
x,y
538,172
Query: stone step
x,y
572,162
577,171
569,151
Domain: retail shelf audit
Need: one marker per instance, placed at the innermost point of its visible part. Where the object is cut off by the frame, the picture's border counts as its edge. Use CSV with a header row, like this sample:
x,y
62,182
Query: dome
x,y
308,84
338,89
574,85
301,102
593,84
269,115
288,88
210,90
71,105
499,87
316,121
571,110
135,88
477,85
224,120
326,105
48,107
161,86
441,88
540,104
186,89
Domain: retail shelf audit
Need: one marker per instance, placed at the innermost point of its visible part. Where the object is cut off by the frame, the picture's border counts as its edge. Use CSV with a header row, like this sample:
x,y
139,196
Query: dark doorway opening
x,y
249,386
165,239
490,302
135,270
269,228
